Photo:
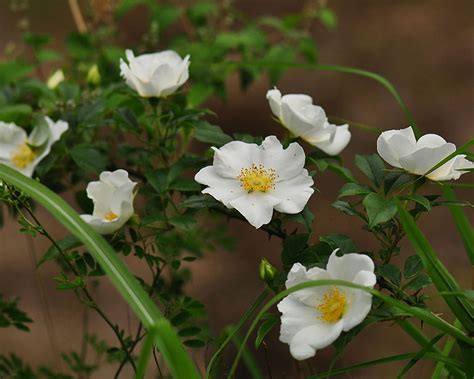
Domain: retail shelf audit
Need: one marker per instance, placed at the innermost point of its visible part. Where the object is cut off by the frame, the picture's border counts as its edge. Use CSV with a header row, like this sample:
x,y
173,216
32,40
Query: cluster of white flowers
x,y
255,180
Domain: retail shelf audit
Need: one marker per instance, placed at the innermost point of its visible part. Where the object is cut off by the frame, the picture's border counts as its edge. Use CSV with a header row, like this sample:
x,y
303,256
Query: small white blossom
x,y
23,152
257,179
308,121
155,75
400,149
113,197
313,318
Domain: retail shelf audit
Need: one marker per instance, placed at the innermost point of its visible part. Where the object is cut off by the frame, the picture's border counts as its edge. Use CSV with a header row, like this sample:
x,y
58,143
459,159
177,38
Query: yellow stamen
x,y
22,156
110,216
333,305
257,178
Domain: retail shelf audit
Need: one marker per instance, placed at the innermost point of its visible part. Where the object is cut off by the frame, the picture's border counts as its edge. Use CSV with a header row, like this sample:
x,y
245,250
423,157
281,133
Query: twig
x,y
77,15
44,300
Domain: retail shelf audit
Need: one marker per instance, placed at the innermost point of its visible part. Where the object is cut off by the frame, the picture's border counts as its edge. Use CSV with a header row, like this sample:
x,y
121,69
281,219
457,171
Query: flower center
x,y
110,216
257,178
23,156
333,305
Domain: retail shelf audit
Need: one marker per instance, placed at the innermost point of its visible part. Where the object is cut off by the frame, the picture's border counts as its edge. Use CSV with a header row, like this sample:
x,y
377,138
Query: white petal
x,y
274,100
309,296
348,266
317,336
295,316
421,161
393,144
256,207
115,178
338,142
430,141
294,193
11,136
359,302
451,170
233,156
56,130
288,163
303,121
103,226
222,189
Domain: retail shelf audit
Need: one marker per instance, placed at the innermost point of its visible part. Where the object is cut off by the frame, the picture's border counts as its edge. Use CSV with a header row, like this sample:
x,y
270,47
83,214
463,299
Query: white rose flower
x,y
113,201
308,121
257,179
155,75
314,318
400,149
24,152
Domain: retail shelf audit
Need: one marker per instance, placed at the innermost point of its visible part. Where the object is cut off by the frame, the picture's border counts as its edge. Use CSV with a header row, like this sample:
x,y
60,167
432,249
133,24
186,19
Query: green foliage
x,y
111,127
11,315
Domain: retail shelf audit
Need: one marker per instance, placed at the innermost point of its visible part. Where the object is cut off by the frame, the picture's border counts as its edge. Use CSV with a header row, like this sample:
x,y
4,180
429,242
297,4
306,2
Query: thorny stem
x,y
90,301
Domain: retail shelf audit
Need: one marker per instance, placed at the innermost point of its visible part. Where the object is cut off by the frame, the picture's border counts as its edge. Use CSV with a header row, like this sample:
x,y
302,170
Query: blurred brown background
x,y
425,48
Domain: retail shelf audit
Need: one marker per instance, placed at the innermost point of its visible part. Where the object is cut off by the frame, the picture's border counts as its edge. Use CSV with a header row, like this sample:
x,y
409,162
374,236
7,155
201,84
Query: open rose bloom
x,y
255,180
401,149
23,152
314,318
155,75
308,121
113,201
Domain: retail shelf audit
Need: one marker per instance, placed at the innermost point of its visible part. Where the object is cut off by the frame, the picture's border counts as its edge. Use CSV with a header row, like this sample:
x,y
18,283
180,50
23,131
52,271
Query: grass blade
x,y
440,276
381,361
210,367
461,221
247,357
145,353
167,341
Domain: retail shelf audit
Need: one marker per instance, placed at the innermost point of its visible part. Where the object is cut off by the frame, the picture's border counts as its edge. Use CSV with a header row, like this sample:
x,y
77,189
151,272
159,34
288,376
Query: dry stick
x,y
77,15
45,309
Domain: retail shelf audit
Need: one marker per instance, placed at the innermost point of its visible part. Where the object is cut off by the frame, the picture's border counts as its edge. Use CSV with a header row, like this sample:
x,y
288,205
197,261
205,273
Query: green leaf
x,y
352,189
199,93
372,166
391,273
341,241
158,180
264,329
423,201
199,202
212,134
396,179
413,265
183,222
379,210
89,159
345,207
67,243
420,281
12,71
167,340
15,112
